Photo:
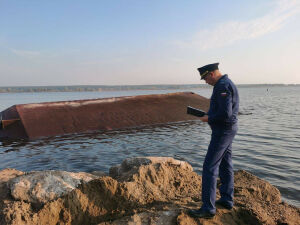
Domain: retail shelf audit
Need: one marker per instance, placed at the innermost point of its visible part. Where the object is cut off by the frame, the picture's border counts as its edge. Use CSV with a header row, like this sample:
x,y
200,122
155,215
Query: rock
x,y
130,165
153,191
42,186
158,179
98,173
250,186
5,176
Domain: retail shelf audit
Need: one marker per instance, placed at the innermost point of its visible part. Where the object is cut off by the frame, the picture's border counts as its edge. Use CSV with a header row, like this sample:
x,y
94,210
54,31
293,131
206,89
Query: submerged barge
x,y
37,120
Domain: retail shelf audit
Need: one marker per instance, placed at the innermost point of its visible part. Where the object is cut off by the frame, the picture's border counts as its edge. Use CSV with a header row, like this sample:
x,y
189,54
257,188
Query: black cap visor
x,y
204,75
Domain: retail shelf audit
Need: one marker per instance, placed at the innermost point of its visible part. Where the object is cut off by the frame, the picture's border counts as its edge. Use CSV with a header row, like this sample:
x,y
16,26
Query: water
x,y
267,143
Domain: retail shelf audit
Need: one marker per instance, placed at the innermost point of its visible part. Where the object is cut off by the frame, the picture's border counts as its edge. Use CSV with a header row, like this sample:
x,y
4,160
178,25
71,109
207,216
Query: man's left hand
x,y
204,119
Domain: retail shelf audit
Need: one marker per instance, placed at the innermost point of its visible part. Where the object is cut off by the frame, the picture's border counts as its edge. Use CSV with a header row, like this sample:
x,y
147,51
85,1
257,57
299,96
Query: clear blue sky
x,y
98,42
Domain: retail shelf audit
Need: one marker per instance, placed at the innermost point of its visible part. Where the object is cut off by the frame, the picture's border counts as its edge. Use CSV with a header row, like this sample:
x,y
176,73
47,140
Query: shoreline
x,y
107,88
159,188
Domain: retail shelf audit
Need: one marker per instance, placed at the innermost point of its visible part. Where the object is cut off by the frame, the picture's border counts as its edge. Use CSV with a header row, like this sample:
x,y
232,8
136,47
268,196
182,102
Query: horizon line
x,y
120,85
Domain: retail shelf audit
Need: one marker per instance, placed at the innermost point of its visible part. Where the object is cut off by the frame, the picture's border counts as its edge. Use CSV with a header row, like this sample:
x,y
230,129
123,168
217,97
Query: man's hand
x,y
204,119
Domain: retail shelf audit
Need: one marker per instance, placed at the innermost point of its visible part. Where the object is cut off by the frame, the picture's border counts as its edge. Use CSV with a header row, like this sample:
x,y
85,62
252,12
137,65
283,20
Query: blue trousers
x,y
218,161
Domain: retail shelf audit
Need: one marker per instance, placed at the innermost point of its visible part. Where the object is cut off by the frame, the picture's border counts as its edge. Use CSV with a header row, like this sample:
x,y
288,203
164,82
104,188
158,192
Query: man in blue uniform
x,y
222,118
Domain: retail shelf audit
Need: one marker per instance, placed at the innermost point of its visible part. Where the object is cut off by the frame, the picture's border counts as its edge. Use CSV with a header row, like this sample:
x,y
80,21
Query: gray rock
x,y
40,187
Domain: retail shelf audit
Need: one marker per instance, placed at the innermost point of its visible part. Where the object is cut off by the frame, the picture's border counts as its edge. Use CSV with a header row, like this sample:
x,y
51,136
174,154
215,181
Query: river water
x,y
267,143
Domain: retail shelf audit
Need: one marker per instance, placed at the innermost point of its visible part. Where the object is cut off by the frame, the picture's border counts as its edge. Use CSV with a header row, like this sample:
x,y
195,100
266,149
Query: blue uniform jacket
x,y
224,104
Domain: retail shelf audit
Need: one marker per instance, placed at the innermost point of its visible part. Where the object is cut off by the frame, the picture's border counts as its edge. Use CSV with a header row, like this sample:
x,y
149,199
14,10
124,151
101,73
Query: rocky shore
x,y
142,191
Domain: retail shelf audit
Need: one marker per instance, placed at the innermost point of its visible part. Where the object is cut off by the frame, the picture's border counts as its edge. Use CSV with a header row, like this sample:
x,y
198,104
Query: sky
x,y
138,42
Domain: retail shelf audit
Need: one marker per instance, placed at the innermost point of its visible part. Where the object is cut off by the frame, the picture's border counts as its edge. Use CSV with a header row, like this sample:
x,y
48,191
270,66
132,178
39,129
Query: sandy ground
x,y
156,193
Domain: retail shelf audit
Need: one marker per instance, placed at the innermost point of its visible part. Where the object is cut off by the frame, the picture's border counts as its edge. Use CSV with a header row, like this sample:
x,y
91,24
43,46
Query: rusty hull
x,y
65,117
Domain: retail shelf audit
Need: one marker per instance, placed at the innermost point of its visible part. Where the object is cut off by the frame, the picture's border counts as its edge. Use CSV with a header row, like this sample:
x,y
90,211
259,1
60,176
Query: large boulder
x,y
40,187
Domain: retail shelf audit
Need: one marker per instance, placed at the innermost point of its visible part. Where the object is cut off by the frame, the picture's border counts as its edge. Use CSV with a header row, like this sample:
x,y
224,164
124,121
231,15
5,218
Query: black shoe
x,y
226,205
199,213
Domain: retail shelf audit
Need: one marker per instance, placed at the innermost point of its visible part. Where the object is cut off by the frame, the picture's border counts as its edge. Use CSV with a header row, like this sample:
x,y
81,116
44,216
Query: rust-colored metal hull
x,y
57,118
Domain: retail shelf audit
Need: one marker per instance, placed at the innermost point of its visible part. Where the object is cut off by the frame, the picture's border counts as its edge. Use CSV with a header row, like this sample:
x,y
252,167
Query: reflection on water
x,y
267,143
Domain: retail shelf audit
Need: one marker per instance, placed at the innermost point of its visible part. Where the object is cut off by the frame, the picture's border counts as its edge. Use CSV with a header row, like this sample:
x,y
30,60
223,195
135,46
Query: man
x,y
222,118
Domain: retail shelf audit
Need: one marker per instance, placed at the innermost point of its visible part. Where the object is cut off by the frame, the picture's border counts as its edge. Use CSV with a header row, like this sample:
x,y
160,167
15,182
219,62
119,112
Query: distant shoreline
x,y
100,88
